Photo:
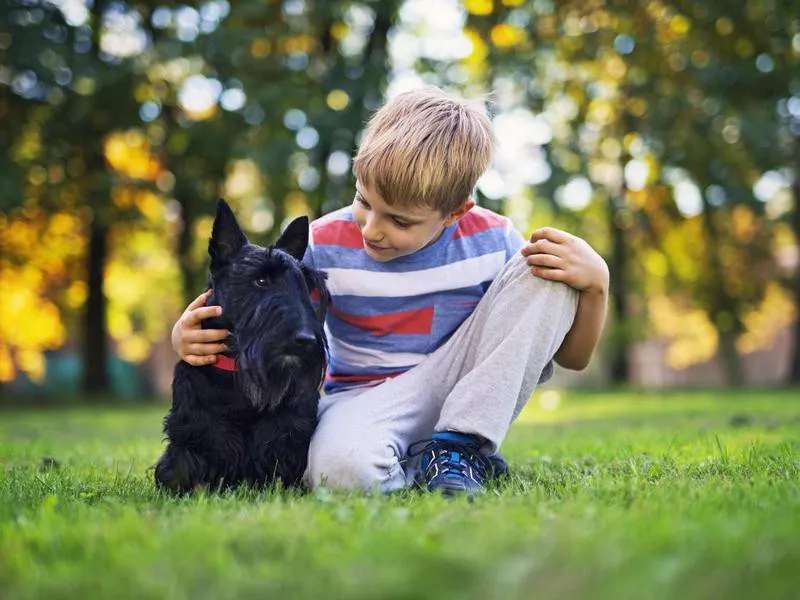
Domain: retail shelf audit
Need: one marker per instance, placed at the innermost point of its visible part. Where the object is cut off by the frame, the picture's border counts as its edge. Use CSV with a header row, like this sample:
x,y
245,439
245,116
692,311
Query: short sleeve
x,y
513,241
308,260
308,257
547,373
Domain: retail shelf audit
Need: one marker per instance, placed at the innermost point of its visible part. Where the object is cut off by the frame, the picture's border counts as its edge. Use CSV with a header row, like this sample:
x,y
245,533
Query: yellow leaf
x,y
260,48
507,36
775,313
476,61
295,204
680,24
134,349
339,30
32,363
338,100
7,370
479,7
76,294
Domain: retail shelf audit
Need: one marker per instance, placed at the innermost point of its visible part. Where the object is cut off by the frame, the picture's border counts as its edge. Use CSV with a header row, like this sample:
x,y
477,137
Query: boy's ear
x,y
226,236
294,239
459,212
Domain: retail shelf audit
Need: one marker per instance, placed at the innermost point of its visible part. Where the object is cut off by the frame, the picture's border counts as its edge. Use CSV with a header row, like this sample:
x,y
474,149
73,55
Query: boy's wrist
x,y
598,289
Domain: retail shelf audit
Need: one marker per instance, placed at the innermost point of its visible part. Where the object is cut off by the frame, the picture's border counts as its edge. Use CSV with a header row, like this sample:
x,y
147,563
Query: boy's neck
x,y
434,240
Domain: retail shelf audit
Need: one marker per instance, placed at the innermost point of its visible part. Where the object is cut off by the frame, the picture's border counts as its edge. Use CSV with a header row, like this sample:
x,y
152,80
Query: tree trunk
x,y
731,361
619,367
794,366
95,371
189,287
720,303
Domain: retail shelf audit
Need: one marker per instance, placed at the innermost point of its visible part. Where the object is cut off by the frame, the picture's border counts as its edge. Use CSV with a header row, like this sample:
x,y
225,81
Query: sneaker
x,y
499,466
451,463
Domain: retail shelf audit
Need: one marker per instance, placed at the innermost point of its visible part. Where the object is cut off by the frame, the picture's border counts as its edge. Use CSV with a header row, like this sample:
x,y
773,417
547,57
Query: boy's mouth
x,y
372,246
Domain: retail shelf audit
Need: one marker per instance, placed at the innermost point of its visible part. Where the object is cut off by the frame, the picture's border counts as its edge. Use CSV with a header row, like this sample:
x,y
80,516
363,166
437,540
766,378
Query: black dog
x,y
249,418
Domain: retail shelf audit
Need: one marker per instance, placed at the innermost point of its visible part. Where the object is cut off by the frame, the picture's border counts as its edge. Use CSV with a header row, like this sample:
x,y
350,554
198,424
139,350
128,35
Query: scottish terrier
x,y
249,417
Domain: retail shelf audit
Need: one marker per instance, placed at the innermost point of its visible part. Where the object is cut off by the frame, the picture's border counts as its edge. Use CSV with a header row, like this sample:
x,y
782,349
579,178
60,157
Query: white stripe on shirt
x,y
359,355
453,276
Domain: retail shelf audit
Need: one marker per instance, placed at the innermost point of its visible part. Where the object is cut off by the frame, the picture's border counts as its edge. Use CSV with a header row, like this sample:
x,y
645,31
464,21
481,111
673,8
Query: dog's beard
x,y
267,374
262,396
286,377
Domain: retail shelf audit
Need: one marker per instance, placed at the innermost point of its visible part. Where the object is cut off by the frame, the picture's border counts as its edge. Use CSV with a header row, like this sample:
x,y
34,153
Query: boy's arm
x,y
195,345
577,348
559,256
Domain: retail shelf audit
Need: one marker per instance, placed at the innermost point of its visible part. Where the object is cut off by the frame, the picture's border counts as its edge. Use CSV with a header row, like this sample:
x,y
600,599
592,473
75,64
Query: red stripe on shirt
x,y
337,233
410,321
476,221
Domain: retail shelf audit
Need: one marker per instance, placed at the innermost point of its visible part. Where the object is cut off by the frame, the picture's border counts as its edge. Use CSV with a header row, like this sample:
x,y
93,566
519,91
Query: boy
x,y
443,319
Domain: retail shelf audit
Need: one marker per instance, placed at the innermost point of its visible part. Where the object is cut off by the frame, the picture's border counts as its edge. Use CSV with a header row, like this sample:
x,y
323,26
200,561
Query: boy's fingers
x,y
199,361
551,274
550,233
542,246
205,336
205,350
199,314
546,260
199,301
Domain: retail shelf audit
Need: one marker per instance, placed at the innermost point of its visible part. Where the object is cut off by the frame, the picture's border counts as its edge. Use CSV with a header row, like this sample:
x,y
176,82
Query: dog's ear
x,y
226,236
294,239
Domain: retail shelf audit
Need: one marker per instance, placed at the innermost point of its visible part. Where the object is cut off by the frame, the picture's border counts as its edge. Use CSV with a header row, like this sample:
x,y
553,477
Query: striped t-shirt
x,y
385,317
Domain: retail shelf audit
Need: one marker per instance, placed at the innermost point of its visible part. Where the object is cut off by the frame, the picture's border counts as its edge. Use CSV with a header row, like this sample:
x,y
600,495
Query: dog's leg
x,y
280,445
180,470
189,429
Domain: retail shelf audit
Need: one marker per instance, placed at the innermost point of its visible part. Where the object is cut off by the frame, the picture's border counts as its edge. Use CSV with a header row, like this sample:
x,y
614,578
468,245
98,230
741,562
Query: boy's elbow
x,y
573,363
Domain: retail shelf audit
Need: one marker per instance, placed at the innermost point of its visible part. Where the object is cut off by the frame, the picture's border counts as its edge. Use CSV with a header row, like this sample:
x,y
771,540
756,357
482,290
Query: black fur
x,y
253,425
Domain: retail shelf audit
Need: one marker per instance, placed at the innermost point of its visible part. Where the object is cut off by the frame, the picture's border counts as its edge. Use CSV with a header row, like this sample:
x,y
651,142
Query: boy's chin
x,y
387,256
383,256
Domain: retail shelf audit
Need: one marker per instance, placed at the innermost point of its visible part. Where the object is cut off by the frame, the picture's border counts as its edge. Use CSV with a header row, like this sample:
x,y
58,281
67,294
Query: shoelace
x,y
469,453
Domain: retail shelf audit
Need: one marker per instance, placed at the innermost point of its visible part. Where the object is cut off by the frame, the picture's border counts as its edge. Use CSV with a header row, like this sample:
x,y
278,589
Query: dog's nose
x,y
304,338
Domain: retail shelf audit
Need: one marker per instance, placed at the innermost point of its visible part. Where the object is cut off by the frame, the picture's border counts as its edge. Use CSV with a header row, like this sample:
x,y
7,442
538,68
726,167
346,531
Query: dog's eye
x,y
262,282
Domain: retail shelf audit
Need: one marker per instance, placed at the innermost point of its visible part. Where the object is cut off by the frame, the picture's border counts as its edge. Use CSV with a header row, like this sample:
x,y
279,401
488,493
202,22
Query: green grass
x,y
614,495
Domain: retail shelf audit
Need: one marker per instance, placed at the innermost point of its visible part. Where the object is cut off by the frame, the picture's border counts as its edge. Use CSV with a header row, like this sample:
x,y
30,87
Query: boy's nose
x,y
370,231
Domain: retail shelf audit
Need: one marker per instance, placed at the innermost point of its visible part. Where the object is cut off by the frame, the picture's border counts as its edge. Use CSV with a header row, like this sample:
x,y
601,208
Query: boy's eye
x,y
362,201
401,224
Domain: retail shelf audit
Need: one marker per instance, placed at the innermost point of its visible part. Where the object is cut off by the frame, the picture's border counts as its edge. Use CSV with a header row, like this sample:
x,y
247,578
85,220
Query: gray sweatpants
x,y
477,383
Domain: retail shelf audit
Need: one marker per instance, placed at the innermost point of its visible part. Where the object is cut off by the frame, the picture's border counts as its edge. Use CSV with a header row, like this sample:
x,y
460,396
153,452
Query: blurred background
x,y
666,133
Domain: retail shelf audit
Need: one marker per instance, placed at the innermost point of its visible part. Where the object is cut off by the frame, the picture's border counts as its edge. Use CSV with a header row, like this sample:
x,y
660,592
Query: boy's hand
x,y
193,344
559,256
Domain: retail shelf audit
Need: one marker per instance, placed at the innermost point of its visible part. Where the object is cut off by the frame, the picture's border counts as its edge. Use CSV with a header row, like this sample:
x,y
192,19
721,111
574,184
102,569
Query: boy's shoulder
x,y
337,228
340,214
479,220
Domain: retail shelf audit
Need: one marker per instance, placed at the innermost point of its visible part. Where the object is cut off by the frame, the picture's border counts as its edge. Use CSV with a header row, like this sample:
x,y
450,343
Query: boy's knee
x,y
353,465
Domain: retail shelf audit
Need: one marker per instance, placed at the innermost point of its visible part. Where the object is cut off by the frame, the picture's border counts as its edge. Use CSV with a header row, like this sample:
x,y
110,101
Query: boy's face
x,y
389,232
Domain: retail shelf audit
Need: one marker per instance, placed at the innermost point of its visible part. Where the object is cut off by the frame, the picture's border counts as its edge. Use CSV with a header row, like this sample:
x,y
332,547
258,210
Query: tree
x,y
661,97
74,94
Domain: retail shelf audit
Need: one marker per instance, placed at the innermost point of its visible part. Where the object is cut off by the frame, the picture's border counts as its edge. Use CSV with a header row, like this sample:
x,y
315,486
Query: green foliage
x,y
613,495
671,93
645,98
102,121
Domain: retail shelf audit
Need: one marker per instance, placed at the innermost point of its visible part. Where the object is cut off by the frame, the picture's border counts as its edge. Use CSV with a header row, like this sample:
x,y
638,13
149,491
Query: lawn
x,y
613,495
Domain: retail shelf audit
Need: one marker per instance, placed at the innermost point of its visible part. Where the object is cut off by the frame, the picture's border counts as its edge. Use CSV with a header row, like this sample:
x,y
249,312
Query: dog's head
x,y
265,293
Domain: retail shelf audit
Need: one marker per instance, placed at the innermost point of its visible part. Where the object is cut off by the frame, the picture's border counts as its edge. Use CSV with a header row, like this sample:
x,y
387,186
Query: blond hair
x,y
425,148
